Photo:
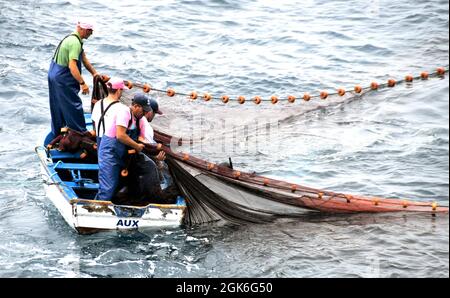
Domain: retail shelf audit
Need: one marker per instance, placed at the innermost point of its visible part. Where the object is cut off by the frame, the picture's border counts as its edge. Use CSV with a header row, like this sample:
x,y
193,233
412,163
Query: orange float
x,y
257,100
434,206
306,97
225,98
146,88
391,83
424,75
274,99
341,92
170,92
241,99
193,95
323,94
374,85
358,89
349,198
207,97
440,71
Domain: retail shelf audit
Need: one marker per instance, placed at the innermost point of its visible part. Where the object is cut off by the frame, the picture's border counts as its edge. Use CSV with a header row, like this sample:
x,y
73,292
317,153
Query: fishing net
x,y
208,198
211,131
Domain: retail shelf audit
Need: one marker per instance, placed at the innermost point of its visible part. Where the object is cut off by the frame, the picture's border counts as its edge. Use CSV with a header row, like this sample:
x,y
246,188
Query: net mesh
x,y
216,194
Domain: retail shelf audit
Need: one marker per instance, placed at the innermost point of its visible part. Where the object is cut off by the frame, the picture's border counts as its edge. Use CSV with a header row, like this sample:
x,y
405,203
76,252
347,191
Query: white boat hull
x,y
87,216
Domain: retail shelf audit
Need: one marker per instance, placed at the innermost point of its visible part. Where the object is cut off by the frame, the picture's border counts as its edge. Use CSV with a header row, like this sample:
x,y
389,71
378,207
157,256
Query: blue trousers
x,y
111,154
66,107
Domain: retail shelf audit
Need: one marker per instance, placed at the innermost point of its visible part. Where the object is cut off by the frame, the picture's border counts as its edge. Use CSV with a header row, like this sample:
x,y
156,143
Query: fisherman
x,y
169,190
149,133
105,110
65,80
149,137
125,129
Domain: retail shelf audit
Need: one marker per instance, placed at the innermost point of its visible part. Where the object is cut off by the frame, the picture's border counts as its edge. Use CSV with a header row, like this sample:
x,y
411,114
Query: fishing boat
x,y
208,192
71,184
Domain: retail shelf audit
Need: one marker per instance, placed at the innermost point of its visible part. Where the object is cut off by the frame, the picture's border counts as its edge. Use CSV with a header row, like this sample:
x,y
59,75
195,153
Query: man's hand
x,y
85,89
161,156
139,147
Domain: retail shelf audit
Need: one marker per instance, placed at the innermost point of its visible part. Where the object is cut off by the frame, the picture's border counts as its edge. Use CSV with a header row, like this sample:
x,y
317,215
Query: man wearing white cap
x,y
65,80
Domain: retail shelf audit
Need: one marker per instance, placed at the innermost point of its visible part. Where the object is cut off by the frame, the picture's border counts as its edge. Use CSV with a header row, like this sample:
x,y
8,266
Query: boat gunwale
x,y
65,190
108,203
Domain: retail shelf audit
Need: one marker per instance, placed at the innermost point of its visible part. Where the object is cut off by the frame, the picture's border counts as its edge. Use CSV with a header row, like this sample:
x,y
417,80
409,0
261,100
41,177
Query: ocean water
x,y
390,143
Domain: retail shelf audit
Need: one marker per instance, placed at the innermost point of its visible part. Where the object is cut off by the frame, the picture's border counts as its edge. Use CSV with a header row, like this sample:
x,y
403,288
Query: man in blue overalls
x,y
105,109
65,79
127,127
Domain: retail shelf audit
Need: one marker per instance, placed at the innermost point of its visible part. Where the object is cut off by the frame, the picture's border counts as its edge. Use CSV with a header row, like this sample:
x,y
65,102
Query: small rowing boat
x,y
71,184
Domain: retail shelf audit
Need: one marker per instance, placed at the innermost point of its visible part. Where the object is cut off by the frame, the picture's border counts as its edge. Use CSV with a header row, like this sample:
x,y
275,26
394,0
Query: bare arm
x,y
76,74
74,71
93,131
122,136
88,65
143,140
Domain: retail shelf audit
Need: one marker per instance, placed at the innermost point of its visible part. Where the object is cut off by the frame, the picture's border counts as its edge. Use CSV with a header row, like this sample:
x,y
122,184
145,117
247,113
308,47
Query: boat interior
x,y
81,175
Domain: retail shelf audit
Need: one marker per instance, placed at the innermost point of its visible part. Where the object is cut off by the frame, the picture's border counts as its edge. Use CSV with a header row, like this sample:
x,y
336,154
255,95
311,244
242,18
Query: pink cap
x,y
116,83
86,24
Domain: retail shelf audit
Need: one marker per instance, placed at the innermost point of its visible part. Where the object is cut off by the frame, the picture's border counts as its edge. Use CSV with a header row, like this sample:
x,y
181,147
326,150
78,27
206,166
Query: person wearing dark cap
x,y
169,190
143,184
155,109
125,130
149,134
65,81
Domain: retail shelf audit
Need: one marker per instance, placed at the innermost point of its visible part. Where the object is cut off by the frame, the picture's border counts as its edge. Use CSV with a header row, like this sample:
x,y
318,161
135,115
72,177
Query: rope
x,y
358,89
99,91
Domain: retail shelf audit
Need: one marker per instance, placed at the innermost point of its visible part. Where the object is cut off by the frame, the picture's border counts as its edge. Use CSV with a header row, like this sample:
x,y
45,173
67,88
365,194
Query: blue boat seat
x,y
88,120
56,154
76,166
93,186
